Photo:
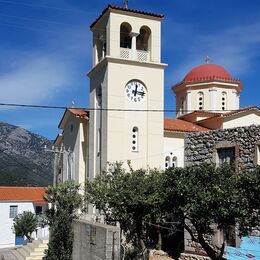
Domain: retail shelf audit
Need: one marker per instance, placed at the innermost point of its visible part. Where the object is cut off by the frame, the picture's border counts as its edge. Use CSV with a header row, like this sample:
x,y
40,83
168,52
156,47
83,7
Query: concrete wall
x,y
7,237
94,241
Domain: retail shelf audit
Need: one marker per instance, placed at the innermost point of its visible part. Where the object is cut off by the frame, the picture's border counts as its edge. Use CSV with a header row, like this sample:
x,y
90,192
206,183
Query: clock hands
x,y
141,93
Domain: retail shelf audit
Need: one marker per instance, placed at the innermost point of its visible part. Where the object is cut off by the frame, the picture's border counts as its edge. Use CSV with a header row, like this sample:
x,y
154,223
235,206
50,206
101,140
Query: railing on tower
x,y
143,56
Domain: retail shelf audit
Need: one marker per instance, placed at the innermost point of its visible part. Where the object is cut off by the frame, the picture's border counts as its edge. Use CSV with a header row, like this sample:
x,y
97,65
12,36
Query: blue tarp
x,y
249,249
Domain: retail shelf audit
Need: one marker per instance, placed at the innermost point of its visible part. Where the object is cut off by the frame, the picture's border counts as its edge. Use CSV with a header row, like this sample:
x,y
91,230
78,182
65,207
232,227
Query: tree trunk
x,y
159,243
209,250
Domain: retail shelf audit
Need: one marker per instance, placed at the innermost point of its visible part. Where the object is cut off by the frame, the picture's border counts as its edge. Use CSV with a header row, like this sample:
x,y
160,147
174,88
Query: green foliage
x,y
248,184
65,200
131,198
204,196
25,224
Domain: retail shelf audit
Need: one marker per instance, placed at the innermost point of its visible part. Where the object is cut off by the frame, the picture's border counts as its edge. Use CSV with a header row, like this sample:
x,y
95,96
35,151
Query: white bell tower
x,y
126,82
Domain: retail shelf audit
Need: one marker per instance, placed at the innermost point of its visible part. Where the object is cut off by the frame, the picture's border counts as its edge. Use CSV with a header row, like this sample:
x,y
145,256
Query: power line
x,y
114,109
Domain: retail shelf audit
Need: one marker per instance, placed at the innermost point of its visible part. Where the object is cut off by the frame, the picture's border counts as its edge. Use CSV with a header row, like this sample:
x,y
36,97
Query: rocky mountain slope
x,y
23,161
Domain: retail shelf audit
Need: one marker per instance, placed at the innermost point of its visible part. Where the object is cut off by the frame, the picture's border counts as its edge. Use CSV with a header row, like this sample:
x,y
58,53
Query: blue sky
x,y
45,50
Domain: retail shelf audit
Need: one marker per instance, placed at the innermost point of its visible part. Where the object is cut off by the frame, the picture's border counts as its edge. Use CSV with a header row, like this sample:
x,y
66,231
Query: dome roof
x,y
208,71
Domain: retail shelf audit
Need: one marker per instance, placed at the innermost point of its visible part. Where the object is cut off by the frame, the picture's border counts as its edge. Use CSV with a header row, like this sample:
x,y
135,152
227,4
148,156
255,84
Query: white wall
x,y
174,146
7,237
238,120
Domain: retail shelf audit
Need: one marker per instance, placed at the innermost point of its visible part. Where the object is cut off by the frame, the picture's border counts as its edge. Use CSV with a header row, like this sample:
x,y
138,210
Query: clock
x,y
135,91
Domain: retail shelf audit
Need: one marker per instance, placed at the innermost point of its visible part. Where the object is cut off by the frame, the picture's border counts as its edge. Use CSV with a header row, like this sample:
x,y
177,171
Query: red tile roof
x,y
178,125
208,73
34,194
110,7
79,112
218,115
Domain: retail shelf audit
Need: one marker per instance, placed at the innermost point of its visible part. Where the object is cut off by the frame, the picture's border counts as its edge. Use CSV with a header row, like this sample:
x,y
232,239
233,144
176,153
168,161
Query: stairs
x,y
32,251
38,252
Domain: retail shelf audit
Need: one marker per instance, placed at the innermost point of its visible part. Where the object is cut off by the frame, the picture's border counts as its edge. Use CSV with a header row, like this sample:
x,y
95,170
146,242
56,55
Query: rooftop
x,y
33,194
178,125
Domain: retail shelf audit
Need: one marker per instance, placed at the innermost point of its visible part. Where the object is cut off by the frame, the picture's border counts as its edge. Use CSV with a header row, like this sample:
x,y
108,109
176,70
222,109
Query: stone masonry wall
x,y
202,147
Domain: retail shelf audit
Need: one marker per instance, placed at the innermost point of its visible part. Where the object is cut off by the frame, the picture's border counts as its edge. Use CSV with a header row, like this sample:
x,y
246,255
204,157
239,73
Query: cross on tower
x,y
126,3
207,60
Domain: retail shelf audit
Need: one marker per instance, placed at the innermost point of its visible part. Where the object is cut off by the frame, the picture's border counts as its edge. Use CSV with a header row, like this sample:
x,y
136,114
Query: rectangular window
x,y
13,211
38,210
226,155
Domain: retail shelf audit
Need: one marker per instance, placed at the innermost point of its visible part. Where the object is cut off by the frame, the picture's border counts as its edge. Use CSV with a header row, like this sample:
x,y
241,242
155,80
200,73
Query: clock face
x,y
135,91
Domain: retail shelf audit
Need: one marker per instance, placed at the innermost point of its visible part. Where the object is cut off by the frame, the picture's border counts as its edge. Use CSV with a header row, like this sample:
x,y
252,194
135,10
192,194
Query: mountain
x,y
23,160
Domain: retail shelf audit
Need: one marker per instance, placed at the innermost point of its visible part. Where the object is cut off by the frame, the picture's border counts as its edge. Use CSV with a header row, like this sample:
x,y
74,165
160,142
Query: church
x,y
126,120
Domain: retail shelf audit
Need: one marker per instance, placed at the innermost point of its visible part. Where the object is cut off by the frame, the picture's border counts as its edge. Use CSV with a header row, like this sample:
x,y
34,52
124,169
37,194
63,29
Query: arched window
x,y
167,162
143,40
100,42
174,162
224,100
125,39
200,101
135,137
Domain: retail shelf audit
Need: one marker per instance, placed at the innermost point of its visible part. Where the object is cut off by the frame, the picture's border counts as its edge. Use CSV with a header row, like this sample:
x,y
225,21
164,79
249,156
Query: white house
x,y
14,201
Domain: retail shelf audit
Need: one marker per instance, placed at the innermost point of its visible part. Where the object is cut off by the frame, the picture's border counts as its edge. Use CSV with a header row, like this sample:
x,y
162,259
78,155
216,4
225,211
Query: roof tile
x,y
34,194
178,125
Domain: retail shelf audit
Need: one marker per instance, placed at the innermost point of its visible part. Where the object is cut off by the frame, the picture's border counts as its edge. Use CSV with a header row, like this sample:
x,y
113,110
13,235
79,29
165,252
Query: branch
x,y
191,233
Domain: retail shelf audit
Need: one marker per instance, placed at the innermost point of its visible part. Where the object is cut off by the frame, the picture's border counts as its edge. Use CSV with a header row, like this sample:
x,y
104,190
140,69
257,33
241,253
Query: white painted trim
x,y
213,82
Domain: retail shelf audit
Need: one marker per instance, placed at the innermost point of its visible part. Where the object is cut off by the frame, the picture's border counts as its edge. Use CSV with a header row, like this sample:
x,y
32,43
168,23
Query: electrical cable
x,y
118,109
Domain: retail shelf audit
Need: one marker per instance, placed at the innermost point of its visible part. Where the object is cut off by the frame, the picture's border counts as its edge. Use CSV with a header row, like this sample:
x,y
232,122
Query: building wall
x,y
174,147
202,147
250,118
212,97
75,143
7,237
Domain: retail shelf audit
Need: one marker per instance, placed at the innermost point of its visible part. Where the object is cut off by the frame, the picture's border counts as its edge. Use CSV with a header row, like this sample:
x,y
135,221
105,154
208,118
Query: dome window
x,y
200,101
224,101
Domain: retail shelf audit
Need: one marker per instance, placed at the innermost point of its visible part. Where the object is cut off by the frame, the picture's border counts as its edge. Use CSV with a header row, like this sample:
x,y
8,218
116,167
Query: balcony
x,y
139,55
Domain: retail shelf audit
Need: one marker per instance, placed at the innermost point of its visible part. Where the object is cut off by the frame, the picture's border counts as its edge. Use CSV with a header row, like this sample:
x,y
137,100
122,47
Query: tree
x,y
25,224
65,200
205,198
248,184
130,198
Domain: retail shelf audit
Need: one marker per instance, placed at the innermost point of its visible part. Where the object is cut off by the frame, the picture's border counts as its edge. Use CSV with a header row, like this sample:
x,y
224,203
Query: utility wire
x,y
113,109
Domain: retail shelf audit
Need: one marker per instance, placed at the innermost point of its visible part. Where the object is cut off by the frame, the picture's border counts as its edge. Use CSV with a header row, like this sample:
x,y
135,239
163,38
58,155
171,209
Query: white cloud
x,y
34,79
235,48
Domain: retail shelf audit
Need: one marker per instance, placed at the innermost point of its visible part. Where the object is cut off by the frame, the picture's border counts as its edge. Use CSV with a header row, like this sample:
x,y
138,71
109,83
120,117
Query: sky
x,y
45,51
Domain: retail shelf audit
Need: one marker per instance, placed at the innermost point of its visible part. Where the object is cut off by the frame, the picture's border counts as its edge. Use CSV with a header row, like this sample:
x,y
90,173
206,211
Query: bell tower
x,y
126,83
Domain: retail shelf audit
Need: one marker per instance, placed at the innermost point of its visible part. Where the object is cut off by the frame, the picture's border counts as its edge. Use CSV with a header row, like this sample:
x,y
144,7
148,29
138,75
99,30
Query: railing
x,y
125,53
143,56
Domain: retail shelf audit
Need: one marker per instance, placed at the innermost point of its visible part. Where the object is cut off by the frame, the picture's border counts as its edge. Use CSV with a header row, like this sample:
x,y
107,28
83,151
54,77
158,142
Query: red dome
x,y
208,71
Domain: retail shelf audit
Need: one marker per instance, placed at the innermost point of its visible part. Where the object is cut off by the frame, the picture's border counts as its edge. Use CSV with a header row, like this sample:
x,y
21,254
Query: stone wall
x,y
202,147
